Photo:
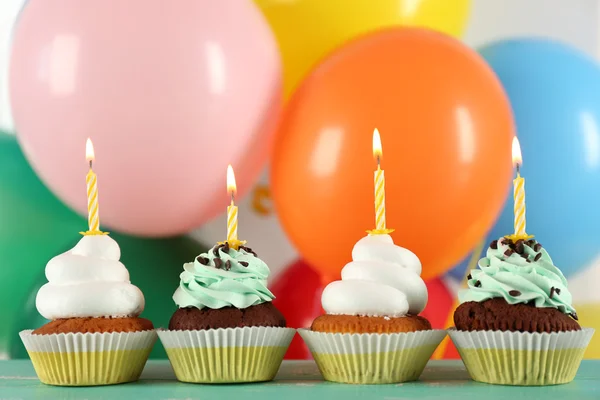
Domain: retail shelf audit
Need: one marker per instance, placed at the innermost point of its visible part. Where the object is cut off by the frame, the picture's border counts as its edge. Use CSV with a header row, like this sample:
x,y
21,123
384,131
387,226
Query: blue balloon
x,y
555,94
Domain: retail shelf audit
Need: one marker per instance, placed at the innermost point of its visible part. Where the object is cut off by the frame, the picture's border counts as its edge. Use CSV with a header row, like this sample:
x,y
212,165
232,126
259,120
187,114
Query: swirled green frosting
x,y
223,277
530,277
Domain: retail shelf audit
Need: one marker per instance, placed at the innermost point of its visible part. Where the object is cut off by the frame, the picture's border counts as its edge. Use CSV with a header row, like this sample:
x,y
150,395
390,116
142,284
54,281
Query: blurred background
x,y
289,92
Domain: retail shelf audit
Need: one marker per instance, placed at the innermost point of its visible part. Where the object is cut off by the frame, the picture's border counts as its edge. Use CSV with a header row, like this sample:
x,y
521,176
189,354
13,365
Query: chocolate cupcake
x,y
226,328
516,324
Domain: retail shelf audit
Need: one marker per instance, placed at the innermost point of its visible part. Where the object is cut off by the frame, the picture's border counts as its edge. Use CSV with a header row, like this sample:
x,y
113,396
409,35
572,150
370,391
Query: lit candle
x,y
92,193
232,210
379,183
518,194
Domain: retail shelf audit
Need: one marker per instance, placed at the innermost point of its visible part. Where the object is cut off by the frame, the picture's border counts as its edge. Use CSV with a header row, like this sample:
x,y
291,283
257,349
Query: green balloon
x,y
35,226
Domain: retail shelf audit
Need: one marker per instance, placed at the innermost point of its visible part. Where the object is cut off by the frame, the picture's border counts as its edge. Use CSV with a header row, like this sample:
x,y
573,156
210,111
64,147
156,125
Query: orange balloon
x,y
446,129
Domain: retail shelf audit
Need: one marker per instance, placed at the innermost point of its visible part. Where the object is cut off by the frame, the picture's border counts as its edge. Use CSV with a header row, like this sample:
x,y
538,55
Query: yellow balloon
x,y
309,29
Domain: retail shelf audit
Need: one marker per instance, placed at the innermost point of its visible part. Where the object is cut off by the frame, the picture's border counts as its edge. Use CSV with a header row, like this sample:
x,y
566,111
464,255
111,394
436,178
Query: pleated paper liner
x,y
372,358
517,358
233,355
88,359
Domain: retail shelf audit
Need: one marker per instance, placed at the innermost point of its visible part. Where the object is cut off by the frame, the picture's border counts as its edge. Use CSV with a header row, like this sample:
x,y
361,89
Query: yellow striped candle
x,y
92,191
232,210
379,179
379,183
519,193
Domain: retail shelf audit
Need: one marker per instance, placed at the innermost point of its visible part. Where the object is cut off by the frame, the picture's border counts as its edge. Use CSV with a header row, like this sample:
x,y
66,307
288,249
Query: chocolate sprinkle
x,y
216,250
519,247
243,263
504,241
508,253
537,256
494,245
557,290
469,277
248,250
226,247
537,247
528,260
530,242
202,260
477,283
227,265
574,315
218,263
554,290
514,293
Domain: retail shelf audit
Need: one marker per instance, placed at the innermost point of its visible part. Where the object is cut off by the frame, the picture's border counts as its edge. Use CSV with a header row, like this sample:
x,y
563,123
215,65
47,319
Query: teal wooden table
x,y
298,380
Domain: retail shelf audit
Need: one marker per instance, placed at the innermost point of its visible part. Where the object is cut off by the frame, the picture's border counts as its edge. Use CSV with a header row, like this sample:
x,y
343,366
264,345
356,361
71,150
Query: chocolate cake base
x,y
497,315
191,318
93,325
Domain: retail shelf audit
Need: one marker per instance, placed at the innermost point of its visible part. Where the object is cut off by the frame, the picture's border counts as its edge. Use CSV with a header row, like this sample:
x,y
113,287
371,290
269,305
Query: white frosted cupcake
x,y
226,330
371,332
95,336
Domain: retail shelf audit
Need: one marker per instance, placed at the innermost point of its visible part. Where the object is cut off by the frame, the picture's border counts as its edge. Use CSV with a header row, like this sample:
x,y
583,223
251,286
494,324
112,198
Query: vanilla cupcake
x,y
95,335
371,332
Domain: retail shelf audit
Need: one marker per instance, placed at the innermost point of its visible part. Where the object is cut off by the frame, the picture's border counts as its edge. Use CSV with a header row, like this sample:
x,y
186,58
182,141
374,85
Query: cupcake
x,y
226,329
516,324
371,332
95,336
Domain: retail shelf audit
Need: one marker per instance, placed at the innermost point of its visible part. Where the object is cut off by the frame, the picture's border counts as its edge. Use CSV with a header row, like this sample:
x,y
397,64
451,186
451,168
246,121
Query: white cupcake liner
x,y
522,358
249,354
372,358
88,359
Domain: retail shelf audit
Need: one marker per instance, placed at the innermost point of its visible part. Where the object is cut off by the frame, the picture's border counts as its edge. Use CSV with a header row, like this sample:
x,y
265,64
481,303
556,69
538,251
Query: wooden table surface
x,y
298,380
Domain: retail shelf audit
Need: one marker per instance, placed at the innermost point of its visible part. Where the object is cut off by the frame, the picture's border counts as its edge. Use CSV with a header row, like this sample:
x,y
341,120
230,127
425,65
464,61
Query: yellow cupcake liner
x,y
233,355
88,359
522,358
372,358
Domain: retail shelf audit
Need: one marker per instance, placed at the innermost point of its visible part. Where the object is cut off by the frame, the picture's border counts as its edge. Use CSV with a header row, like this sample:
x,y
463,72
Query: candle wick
x,y
232,198
378,161
518,169
91,164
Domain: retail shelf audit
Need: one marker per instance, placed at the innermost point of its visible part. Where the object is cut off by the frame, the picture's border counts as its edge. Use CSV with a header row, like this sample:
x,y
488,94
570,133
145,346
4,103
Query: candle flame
x,y
89,150
377,151
517,159
231,186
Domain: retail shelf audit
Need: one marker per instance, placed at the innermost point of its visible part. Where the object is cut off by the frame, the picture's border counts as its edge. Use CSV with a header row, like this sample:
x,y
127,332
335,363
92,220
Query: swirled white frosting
x,y
89,281
382,280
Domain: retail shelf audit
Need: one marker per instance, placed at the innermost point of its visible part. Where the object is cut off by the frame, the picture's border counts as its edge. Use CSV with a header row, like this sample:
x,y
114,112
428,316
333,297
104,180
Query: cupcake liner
x,y
522,358
372,358
232,355
88,359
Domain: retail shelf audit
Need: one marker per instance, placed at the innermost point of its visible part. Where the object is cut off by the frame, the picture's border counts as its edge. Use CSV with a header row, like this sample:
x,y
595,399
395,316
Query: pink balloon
x,y
169,92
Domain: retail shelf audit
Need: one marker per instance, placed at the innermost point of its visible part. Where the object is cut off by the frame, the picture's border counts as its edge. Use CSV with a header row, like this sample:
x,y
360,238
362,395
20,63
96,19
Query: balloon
x,y
169,93
35,227
439,304
297,293
309,29
555,95
446,129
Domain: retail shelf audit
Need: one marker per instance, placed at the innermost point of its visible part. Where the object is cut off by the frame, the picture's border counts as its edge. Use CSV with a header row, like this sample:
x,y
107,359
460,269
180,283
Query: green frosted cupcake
x,y
226,329
516,324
